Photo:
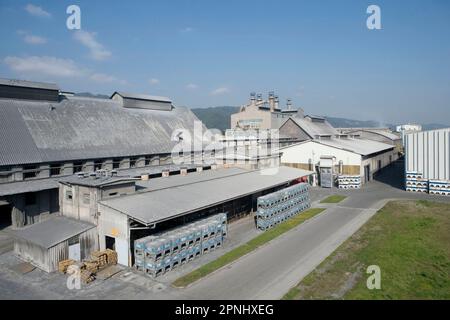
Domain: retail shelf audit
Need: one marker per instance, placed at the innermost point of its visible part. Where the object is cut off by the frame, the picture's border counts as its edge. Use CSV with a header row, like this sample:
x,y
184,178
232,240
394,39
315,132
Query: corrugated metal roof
x,y
95,181
194,177
38,131
159,205
360,146
29,84
383,133
363,147
52,231
315,129
10,188
141,96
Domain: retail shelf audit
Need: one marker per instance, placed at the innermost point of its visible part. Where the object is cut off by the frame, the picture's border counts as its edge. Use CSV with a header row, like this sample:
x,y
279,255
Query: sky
x,y
204,53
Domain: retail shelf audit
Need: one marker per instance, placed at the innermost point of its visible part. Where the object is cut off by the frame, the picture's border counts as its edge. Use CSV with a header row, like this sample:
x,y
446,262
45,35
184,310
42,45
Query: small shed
x,y
46,243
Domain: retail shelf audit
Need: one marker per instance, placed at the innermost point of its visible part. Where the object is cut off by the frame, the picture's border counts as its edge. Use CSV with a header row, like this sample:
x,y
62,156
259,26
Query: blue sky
x,y
209,53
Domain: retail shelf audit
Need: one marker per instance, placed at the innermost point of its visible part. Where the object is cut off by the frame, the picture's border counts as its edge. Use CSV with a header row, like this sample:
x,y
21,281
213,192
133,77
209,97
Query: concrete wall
x,y
114,224
82,206
386,159
253,113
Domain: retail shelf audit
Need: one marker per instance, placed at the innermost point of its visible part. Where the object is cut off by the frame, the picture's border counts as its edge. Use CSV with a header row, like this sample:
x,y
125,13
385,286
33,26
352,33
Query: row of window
x,y
57,169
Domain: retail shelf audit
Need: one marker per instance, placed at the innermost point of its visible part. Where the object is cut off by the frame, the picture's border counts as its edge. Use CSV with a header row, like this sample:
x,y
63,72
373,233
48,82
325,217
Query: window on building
x,y
116,163
133,161
98,164
56,169
5,168
111,194
148,160
30,199
69,195
77,166
30,171
86,198
73,240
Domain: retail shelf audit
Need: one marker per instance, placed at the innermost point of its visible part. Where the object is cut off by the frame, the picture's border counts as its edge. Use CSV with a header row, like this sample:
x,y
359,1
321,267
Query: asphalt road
x,y
270,271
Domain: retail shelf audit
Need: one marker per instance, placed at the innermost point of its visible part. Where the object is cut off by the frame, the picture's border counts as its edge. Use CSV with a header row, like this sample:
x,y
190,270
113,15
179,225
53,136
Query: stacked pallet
x,y
88,268
439,187
349,182
279,206
165,251
415,182
87,276
64,264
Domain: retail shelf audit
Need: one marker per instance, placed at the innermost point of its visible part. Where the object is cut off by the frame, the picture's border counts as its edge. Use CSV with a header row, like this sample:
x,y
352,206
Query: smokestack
x,y
277,102
252,99
259,97
289,104
271,101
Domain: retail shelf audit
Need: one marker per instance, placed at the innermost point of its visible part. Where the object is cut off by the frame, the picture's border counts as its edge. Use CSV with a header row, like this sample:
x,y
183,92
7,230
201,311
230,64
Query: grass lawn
x,y
408,240
333,199
246,248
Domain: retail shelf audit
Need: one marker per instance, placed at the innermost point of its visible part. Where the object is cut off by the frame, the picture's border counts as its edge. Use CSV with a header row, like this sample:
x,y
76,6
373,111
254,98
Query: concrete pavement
x,y
267,273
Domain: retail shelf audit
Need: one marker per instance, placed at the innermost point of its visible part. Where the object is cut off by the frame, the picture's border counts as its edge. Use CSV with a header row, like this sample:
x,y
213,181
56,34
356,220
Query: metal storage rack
x,y
440,187
415,182
279,206
165,251
349,182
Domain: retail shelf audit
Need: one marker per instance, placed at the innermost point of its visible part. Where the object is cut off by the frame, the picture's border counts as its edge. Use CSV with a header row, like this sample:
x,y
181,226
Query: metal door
x,y
122,251
75,252
326,177
367,173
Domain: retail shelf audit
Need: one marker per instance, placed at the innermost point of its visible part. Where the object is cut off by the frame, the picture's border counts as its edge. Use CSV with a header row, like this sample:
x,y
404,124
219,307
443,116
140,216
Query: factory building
x,y
300,128
260,114
375,134
332,157
48,134
107,211
428,152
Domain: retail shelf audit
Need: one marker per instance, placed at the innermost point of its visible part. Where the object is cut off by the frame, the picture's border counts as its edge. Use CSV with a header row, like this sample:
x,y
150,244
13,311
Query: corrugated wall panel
x,y
428,152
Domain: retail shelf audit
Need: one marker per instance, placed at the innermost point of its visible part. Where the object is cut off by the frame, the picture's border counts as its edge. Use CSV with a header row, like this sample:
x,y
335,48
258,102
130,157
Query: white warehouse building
x,y
340,156
428,153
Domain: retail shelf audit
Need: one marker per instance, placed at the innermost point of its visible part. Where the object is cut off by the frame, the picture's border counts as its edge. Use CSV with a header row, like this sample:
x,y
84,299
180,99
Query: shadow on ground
x,y
393,175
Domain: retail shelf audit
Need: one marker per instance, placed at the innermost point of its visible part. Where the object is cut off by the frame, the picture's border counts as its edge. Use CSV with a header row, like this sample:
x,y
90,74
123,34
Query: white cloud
x,y
43,65
219,91
30,38
192,86
37,11
153,81
96,50
56,67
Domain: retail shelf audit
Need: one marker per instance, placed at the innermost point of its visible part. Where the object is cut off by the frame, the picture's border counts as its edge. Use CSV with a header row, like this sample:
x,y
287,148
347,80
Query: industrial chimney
x,y
252,99
277,102
272,101
289,104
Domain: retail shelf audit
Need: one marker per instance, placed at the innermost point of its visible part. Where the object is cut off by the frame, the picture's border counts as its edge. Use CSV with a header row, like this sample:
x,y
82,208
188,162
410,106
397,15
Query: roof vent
x,y
28,90
142,101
